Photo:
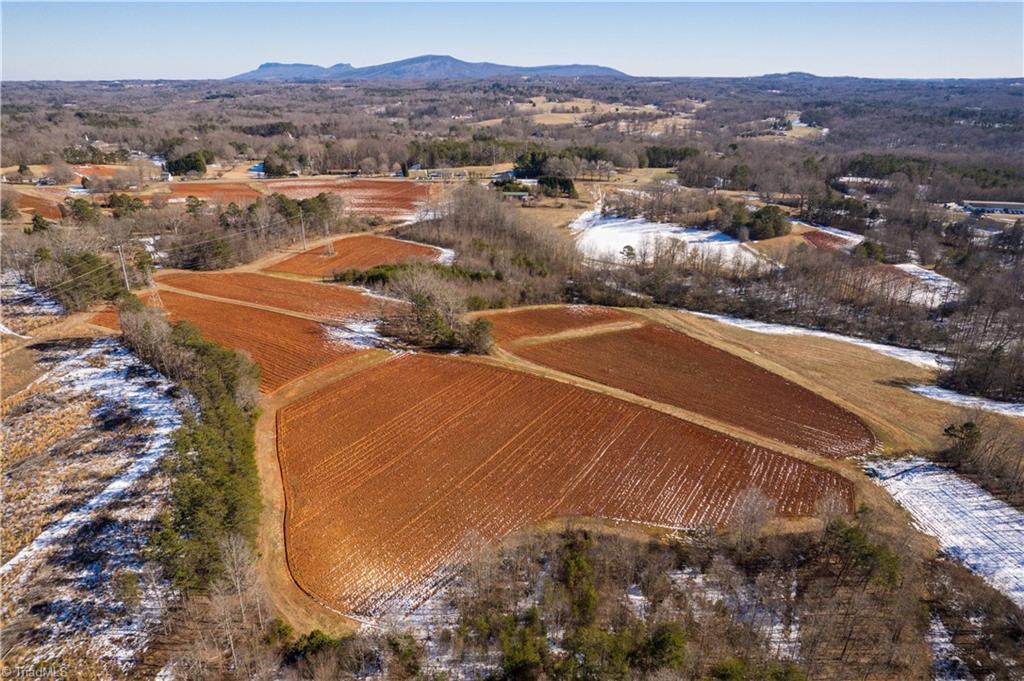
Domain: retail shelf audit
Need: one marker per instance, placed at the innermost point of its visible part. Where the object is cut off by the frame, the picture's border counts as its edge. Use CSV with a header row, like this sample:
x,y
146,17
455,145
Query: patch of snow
x,y
149,243
428,621
603,237
377,294
636,601
446,256
872,181
749,606
166,672
935,289
947,665
358,333
423,213
851,238
984,533
17,293
969,401
922,358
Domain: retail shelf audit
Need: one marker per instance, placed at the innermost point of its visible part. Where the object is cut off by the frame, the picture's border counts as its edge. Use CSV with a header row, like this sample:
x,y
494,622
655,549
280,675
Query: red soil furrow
x,y
485,452
284,347
356,252
515,324
330,301
826,241
385,198
218,192
670,367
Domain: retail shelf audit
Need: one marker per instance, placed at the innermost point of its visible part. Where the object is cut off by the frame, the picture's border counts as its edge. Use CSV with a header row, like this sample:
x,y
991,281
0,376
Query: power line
x,y
237,235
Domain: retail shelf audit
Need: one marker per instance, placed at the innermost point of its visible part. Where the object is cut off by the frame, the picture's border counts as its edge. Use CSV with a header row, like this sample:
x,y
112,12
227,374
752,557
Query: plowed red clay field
x,y
824,240
514,324
284,347
391,199
670,367
90,170
397,473
34,204
218,192
107,316
356,252
330,301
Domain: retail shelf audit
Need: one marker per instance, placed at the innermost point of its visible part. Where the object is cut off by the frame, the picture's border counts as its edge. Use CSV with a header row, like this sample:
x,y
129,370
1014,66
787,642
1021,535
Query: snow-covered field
x,y
22,307
603,237
984,533
969,401
922,358
59,589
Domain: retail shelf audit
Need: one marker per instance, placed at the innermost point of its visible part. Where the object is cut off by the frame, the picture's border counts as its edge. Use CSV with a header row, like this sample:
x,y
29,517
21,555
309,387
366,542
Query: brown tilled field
x,y
515,324
284,347
386,198
356,252
670,367
330,301
395,474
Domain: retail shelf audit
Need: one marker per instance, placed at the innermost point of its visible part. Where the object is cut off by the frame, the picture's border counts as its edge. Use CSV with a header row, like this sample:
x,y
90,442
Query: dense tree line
x,y
214,485
192,162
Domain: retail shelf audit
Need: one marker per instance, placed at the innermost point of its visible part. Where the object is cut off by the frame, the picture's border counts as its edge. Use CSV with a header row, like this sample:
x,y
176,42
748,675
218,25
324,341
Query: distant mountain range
x,y
426,67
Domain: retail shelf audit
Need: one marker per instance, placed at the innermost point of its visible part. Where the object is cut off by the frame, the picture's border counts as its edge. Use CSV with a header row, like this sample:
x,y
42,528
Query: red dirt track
x,y
515,324
356,252
284,347
670,367
397,473
330,301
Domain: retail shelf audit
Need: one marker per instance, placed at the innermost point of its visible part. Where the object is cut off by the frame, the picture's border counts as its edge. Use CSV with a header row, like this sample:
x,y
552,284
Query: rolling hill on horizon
x,y
425,67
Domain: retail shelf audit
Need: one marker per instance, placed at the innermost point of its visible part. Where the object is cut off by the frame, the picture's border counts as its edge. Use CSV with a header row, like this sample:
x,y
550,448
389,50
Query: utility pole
x,y
124,270
302,227
329,248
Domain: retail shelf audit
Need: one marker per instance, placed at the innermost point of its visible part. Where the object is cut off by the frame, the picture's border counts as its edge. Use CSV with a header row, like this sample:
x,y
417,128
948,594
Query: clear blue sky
x,y
89,40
